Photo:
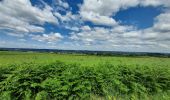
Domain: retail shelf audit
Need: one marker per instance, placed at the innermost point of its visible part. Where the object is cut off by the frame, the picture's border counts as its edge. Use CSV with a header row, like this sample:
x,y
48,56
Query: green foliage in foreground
x,y
70,81
9,57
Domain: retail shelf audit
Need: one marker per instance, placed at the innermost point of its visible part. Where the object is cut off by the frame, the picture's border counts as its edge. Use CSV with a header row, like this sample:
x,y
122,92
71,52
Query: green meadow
x,y
7,58
50,76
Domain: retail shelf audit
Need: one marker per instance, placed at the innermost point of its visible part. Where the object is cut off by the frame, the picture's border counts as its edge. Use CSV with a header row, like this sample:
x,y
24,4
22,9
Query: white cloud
x,y
85,28
132,34
165,3
101,11
69,21
67,17
15,34
20,16
15,24
61,4
109,7
94,35
160,31
98,19
106,7
122,36
50,38
162,22
74,28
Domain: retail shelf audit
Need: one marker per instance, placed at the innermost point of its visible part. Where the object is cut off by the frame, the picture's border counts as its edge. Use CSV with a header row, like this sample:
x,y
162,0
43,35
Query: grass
x,y
7,58
44,76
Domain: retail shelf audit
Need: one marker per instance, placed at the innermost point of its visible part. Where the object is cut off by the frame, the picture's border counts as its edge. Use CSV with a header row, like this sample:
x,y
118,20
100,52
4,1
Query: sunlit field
x,y
45,76
7,58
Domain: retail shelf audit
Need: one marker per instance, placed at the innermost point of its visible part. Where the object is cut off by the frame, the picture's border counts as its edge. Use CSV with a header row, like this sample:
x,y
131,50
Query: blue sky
x,y
114,25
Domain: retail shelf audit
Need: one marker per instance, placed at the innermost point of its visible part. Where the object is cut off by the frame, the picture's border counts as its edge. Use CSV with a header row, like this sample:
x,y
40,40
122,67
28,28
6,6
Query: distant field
x,y
84,60
50,76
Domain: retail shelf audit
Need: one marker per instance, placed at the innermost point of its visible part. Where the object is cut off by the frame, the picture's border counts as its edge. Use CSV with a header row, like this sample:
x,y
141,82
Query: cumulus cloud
x,y
85,28
98,19
67,17
165,3
99,34
121,35
109,7
20,16
101,11
60,4
160,31
74,28
162,23
50,38
69,21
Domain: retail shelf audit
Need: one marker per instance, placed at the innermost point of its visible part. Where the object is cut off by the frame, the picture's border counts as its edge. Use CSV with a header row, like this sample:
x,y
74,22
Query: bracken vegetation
x,y
60,81
50,76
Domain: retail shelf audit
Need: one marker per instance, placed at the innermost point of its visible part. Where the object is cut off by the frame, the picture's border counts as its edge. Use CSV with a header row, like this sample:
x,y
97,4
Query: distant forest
x,y
87,52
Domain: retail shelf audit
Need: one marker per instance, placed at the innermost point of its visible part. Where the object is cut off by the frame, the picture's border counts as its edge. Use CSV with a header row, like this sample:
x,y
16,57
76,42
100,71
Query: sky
x,y
106,25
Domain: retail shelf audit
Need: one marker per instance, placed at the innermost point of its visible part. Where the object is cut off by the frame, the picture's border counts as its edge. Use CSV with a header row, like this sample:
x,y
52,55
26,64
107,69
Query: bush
x,y
62,81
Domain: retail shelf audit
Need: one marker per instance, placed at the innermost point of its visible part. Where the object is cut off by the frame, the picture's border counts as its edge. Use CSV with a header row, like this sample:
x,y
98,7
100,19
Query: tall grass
x,y
70,81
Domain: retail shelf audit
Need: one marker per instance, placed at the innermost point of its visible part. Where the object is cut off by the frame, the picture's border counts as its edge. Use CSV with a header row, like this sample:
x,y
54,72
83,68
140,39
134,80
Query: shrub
x,y
63,81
